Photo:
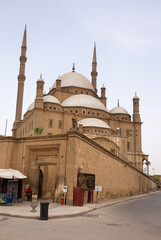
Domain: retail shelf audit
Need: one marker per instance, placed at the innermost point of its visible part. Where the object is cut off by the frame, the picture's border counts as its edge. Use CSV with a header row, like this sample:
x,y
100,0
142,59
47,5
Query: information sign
x,y
65,189
98,188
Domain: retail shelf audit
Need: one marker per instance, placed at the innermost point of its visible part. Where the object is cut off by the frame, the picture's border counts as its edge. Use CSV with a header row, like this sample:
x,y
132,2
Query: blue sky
x,y
128,39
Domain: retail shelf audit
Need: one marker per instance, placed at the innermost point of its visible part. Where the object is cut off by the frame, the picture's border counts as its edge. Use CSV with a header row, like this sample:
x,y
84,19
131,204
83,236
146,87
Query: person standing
x,y
29,193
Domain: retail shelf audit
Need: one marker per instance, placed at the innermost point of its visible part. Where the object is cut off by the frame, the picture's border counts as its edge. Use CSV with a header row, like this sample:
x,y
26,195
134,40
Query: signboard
x,y
86,181
65,189
98,188
3,198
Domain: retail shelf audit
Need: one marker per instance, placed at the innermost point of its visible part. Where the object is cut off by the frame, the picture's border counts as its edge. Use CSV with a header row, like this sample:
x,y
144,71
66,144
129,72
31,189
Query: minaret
x,y
21,79
137,134
58,83
136,114
39,93
103,95
94,70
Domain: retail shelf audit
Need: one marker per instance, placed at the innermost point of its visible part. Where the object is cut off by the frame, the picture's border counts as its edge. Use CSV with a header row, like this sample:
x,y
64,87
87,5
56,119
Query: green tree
x,y
38,131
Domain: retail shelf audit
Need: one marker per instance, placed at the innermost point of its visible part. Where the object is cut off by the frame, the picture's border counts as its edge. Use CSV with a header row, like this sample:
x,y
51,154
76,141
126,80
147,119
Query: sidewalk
x,y
23,210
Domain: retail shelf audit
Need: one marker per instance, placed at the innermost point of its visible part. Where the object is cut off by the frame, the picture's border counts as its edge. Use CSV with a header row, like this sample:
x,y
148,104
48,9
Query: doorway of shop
x,y
90,196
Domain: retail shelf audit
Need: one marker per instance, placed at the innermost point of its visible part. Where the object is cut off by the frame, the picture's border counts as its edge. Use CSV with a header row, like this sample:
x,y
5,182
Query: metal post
x,y
97,197
64,199
12,191
6,127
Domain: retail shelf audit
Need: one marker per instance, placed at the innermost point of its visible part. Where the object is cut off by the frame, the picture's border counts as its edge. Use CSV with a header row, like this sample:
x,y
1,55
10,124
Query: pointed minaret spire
x,y
73,68
94,54
118,104
21,80
24,44
94,69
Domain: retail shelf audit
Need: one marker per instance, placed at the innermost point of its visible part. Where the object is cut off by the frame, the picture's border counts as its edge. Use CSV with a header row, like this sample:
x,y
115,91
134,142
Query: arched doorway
x,y
40,184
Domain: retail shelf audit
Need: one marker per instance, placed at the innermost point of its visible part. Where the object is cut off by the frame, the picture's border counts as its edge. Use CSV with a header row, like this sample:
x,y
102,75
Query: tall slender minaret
x,y
21,79
94,70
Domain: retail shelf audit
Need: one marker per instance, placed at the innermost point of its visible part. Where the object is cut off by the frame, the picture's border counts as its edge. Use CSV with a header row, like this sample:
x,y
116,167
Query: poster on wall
x,y
3,198
86,181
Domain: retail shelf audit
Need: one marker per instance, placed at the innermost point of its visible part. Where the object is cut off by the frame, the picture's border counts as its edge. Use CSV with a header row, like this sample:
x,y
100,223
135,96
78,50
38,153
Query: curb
x,y
83,212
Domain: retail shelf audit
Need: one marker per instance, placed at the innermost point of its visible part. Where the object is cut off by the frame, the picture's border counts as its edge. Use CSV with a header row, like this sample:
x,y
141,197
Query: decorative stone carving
x,y
74,124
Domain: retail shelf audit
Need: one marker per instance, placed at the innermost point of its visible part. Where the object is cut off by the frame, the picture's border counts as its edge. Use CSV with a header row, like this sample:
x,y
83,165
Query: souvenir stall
x,y
10,186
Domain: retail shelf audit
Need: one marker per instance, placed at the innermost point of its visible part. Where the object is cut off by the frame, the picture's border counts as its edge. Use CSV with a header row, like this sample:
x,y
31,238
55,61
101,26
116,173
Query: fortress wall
x,y
116,177
60,158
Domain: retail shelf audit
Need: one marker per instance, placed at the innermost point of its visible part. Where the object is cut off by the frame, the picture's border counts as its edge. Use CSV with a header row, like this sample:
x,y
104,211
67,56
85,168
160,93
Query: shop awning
x,y
11,174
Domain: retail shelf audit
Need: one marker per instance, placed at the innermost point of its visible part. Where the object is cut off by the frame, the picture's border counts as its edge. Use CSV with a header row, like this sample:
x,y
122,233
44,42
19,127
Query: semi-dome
x,y
93,122
31,106
82,100
74,79
51,99
119,110
47,98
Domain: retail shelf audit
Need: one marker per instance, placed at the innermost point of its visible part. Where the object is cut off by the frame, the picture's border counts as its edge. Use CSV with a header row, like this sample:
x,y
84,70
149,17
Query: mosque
x,y
68,139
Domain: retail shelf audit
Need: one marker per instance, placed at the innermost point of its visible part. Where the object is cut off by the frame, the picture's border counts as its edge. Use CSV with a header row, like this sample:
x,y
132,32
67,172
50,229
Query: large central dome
x,y
74,79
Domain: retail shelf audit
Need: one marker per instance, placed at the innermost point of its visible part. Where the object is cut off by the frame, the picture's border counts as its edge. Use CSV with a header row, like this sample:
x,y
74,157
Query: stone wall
x,y
59,158
116,177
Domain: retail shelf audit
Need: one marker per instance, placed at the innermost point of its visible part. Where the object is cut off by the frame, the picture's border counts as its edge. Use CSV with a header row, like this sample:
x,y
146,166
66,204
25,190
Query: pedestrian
x,y
29,193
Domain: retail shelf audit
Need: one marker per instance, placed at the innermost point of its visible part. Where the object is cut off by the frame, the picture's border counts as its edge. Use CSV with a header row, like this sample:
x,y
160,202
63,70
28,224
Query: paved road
x,y
137,219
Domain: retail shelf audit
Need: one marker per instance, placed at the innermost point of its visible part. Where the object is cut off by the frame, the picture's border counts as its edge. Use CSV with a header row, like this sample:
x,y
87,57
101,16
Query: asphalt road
x,y
137,219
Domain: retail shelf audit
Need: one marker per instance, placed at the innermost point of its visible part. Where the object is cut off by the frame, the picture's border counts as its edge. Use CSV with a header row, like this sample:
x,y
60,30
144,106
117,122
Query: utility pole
x,y
153,171
6,128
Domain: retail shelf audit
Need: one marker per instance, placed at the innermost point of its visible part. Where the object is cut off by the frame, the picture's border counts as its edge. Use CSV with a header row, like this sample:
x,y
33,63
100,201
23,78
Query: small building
x,y
11,182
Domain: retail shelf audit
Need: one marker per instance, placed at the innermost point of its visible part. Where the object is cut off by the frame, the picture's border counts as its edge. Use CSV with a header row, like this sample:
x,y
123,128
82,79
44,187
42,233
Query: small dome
x,y
41,79
93,122
47,98
103,86
119,110
82,100
51,99
74,79
135,97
